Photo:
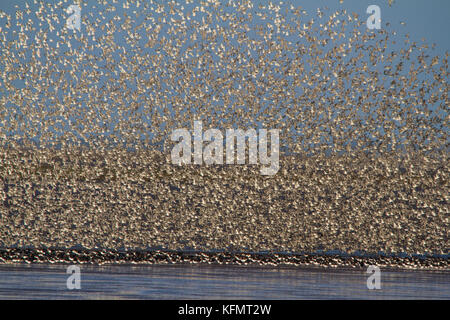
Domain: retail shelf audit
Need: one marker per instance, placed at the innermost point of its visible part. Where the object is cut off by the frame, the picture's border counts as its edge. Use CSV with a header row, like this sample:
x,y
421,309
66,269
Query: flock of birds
x,y
85,118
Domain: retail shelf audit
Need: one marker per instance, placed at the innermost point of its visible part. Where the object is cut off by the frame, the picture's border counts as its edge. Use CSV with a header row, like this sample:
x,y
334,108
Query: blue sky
x,y
429,19
421,19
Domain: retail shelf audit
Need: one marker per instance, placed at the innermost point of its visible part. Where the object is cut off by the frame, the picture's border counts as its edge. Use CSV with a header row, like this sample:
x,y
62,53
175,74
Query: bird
x,y
86,118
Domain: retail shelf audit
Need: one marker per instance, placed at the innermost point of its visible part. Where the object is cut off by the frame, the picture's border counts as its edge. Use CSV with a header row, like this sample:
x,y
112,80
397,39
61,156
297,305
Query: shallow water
x,y
40,281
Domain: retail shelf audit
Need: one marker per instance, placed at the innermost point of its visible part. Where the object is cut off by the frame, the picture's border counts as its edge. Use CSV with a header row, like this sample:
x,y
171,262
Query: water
x,y
41,281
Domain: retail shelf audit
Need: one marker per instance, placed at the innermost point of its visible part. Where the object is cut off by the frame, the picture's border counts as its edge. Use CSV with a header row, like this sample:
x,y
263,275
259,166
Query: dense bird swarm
x,y
140,200
86,116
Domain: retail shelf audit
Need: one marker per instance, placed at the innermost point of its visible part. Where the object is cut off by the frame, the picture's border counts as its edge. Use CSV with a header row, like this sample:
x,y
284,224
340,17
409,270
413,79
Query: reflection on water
x,y
216,282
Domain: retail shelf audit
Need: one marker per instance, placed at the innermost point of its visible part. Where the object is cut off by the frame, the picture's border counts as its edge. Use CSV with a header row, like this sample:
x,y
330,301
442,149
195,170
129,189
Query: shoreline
x,y
112,257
